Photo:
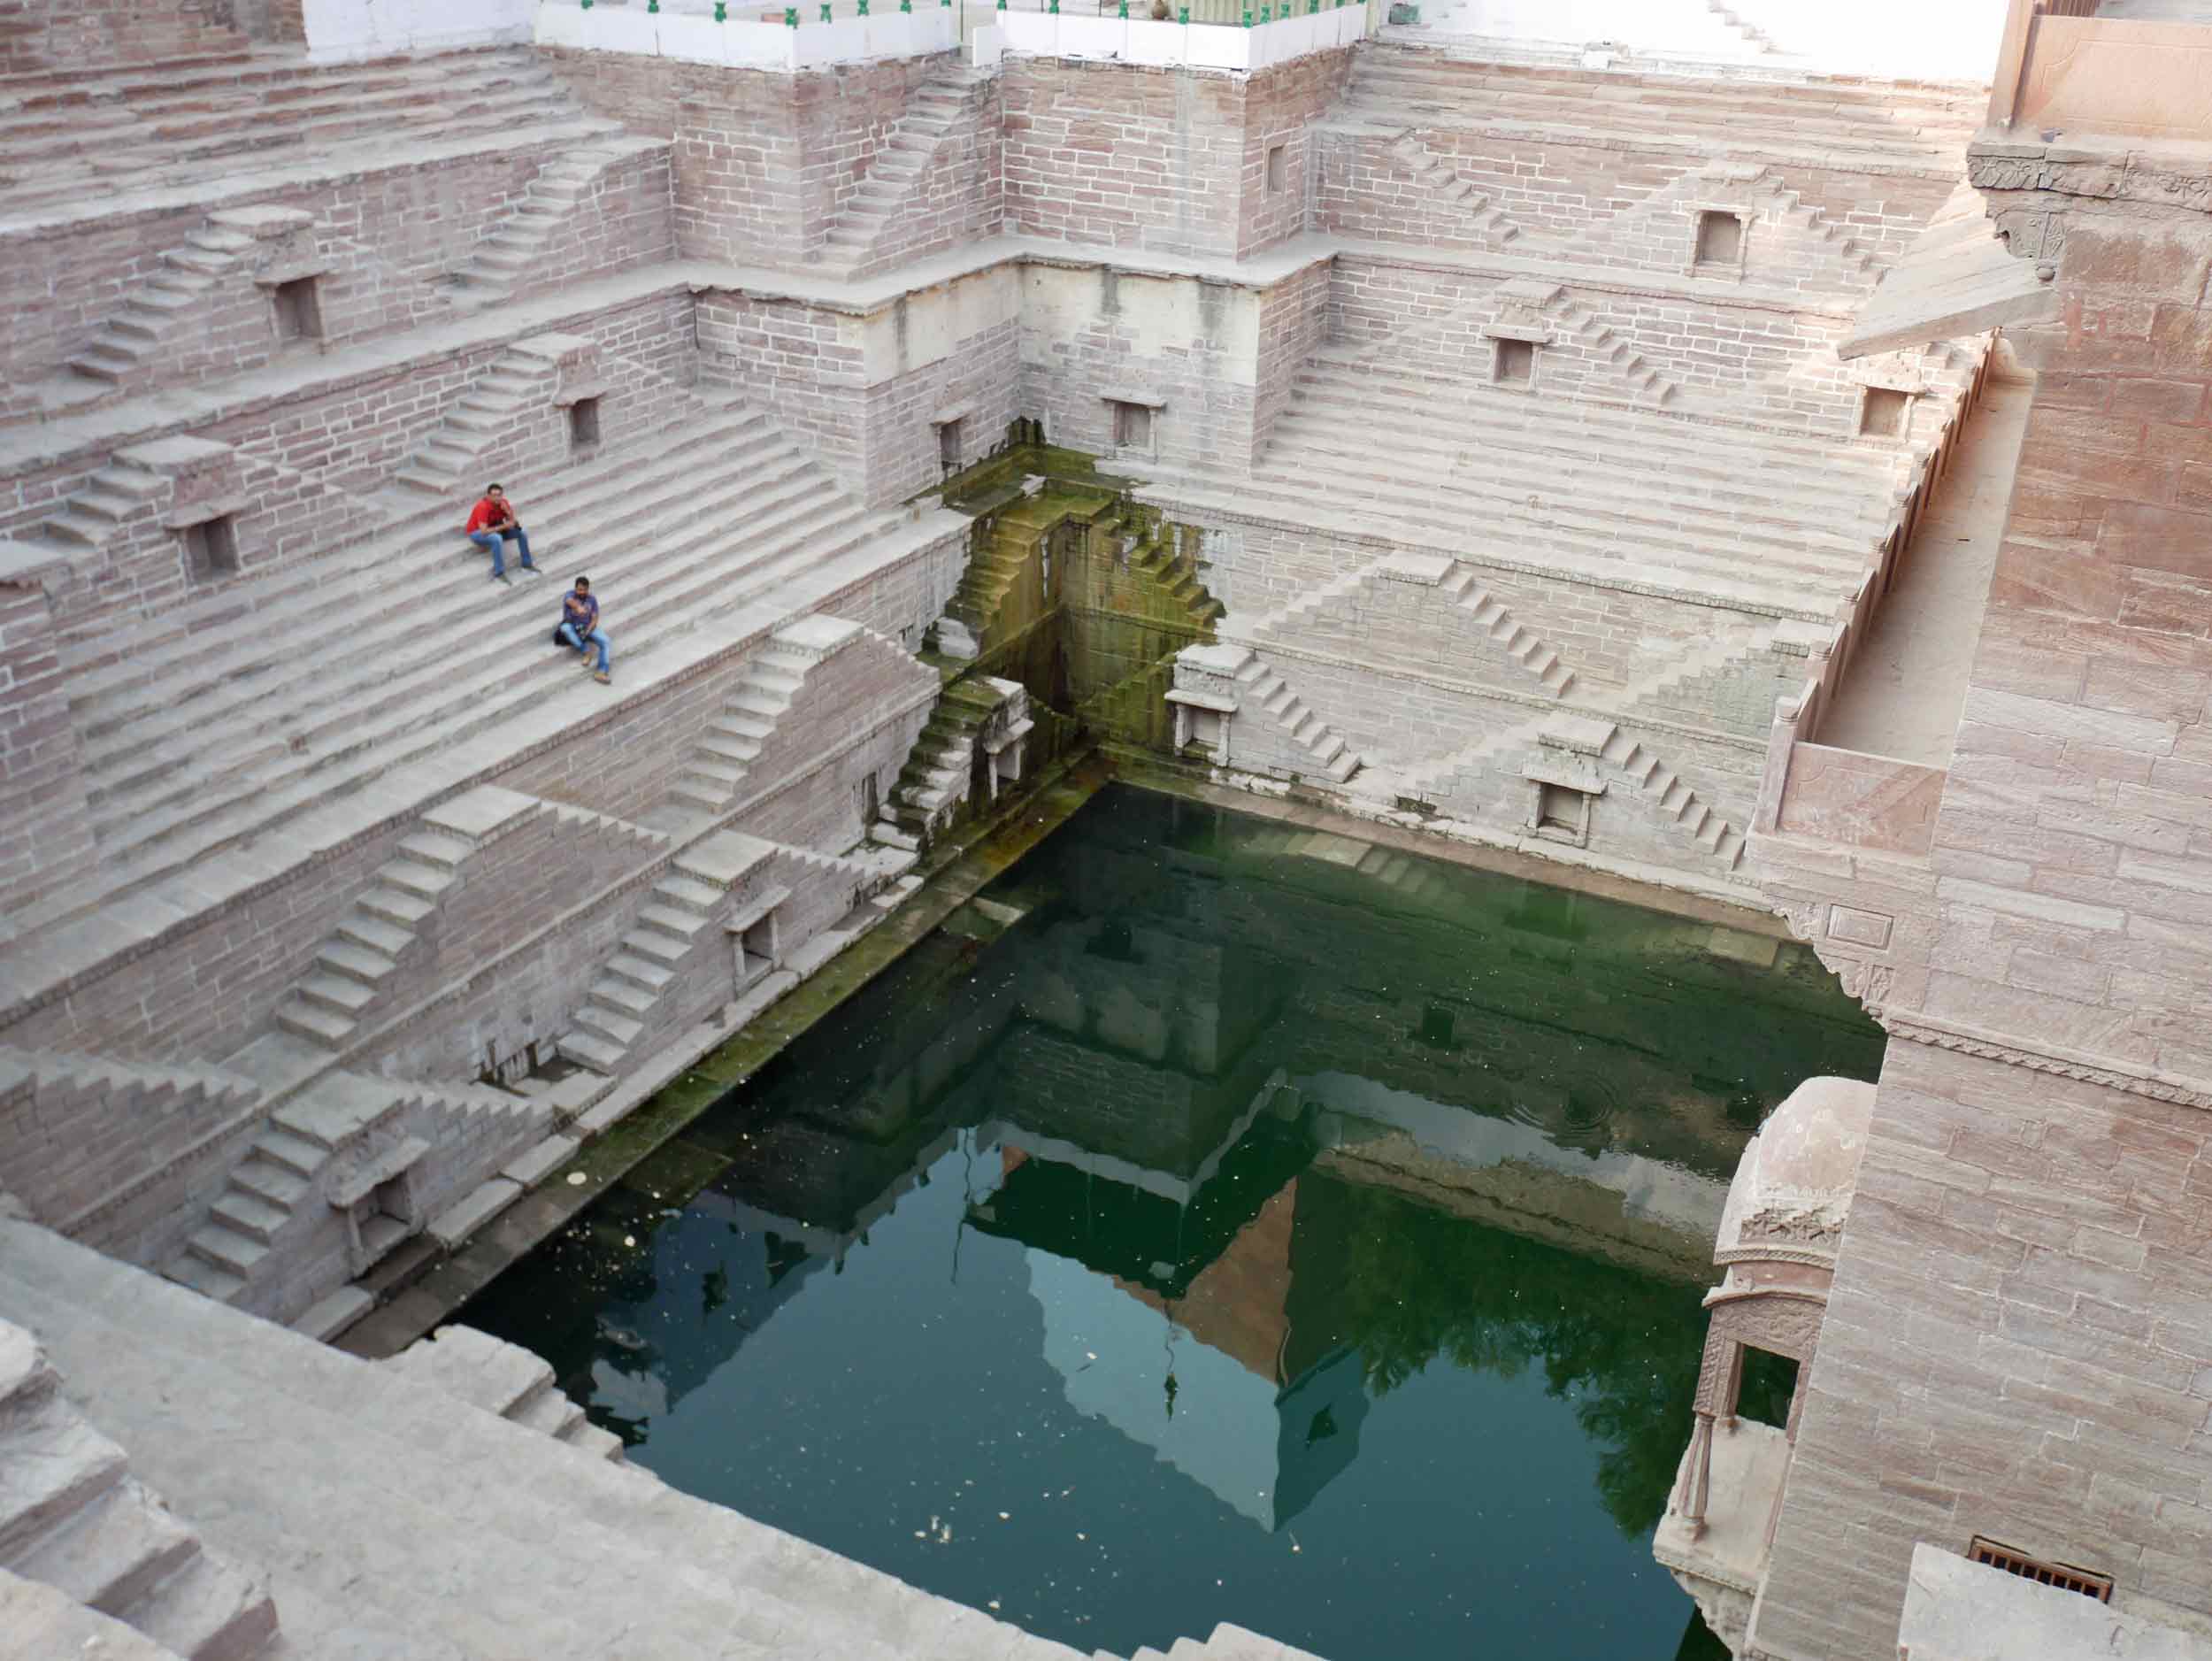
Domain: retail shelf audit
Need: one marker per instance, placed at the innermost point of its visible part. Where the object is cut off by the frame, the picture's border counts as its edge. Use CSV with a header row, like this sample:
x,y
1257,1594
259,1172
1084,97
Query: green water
x,y
1216,1222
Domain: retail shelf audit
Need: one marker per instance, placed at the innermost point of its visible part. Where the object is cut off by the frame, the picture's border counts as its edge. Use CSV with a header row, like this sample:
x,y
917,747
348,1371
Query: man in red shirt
x,y
491,522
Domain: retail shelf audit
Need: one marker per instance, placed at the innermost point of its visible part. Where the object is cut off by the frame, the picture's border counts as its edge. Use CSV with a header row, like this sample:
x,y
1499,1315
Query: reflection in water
x,y
1216,1221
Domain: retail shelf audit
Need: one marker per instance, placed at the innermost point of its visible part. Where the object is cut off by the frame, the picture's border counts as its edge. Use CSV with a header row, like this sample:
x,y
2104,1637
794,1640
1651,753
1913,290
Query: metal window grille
x,y
2063,1575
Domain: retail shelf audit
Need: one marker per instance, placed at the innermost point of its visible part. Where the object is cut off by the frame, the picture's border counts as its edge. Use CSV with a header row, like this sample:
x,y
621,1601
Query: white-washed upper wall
x,y
1174,45
341,30
691,35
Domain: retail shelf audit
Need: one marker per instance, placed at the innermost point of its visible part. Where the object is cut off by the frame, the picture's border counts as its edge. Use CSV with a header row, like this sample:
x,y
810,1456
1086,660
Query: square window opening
x,y
757,951
1516,363
1279,168
299,314
949,445
1885,413
1132,425
1559,808
583,424
1719,241
211,549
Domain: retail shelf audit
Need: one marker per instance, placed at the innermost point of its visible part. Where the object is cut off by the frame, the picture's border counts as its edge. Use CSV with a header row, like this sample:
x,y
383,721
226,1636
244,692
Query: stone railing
x,y
1797,720
2060,66
1870,802
1277,36
740,38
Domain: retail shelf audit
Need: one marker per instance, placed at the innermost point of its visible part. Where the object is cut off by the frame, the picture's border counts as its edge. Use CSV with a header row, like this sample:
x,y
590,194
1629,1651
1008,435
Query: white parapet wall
x,y
1174,45
1905,40
691,35
339,31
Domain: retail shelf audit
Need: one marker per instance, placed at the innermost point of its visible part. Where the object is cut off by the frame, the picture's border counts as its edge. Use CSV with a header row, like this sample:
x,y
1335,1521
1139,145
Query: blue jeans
x,y
597,637
495,541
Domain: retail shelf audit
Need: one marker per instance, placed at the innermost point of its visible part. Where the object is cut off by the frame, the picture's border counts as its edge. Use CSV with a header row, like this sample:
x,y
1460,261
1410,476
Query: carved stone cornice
x,y
1873,983
1919,1028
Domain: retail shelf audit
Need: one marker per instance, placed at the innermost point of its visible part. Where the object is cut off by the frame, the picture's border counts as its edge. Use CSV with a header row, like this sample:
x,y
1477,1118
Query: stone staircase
x,y
938,772
993,569
679,918
1283,622
1261,688
502,1379
258,1250
353,966
934,777
447,467
124,348
900,167
338,1464
504,258
1648,386
1843,123
1768,521
1757,39
1809,219
716,767
1676,798
1515,639
73,1517
307,687
116,495
622,999
1443,183
1177,576
72,139
59,1087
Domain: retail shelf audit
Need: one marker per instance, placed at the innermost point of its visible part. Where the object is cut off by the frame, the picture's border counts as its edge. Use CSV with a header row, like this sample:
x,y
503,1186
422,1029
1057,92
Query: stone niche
x,y
581,390
286,262
207,497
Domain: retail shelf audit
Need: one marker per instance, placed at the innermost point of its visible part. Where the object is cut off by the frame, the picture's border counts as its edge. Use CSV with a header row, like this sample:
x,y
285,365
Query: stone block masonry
x,y
763,163
868,389
45,834
1161,159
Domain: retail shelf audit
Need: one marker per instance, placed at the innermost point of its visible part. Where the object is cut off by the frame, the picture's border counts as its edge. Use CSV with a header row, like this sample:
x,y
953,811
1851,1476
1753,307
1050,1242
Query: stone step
x,y
265,793
292,599
114,1550
279,1185
54,1464
207,1610
616,1531
289,1152
246,1213
314,1022
151,749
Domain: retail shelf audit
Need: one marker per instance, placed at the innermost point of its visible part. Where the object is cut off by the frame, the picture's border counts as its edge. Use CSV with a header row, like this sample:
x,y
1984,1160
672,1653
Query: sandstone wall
x,y
386,241
45,834
300,460
2016,1345
1105,153
866,389
763,163
1185,346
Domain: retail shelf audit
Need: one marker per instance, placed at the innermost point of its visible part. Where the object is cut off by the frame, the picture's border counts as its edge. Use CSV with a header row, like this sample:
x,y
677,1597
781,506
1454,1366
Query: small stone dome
x,y
1793,1186
1812,1142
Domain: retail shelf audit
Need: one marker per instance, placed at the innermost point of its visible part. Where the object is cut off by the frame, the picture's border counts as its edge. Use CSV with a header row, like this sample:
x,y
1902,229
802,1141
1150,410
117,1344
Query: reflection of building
x,y
1265,1445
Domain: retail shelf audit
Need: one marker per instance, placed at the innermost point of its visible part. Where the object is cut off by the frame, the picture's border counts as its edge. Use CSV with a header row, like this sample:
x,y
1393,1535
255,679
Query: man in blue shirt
x,y
579,627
